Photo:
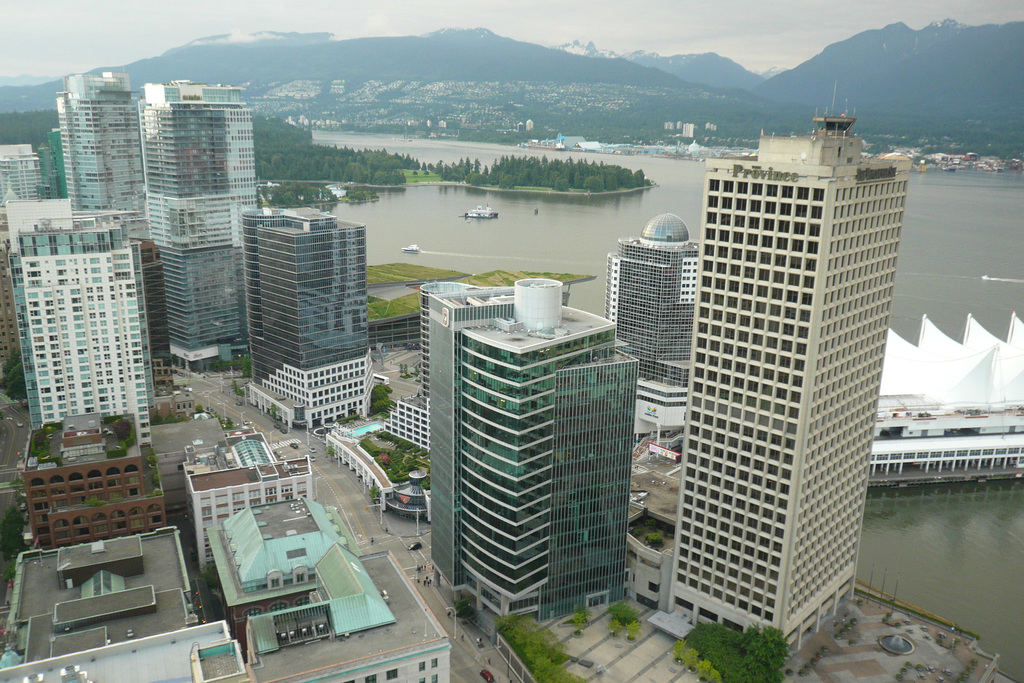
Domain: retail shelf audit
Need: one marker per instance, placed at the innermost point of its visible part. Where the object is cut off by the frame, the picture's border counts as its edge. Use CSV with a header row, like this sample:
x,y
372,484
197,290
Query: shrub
x,y
538,648
654,539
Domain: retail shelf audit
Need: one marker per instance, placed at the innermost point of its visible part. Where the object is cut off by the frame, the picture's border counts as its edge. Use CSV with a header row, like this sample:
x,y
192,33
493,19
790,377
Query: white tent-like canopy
x,y
981,372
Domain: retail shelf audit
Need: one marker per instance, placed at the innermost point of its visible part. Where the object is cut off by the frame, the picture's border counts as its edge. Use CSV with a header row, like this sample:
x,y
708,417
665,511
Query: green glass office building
x,y
531,433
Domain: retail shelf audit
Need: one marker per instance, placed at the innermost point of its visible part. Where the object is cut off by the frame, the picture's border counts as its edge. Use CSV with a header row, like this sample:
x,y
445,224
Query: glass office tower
x,y
531,432
305,279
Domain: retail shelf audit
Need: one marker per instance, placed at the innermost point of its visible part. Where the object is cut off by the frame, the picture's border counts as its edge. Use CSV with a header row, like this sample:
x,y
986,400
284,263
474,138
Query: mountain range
x,y
481,80
707,68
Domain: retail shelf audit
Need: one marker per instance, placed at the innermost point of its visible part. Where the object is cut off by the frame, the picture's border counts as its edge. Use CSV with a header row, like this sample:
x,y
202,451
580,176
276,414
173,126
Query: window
x,y
423,666
433,663
372,678
391,675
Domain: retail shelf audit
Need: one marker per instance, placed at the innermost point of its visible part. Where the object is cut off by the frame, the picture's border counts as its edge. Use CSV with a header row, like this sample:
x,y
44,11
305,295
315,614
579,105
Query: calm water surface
x,y
958,551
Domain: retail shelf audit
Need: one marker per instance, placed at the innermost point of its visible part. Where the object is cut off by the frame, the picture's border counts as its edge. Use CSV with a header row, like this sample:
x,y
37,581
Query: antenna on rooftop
x,y
835,87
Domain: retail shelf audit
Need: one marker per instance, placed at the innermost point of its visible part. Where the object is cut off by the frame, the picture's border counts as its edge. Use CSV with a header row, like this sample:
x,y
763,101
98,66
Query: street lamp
x,y
450,611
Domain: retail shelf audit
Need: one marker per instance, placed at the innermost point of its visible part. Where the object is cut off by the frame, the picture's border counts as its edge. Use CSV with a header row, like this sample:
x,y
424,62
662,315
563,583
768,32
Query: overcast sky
x,y
56,37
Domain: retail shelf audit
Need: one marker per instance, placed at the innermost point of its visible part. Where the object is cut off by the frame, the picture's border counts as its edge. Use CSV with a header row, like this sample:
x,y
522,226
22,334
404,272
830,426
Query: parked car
x,y
416,546
487,675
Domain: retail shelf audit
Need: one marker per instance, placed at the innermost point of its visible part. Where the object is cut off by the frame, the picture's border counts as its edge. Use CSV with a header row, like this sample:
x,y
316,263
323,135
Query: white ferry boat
x,y
481,212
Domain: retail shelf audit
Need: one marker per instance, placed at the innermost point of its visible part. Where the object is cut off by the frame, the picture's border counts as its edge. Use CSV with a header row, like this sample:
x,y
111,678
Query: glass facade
x,y
530,442
200,178
99,126
306,290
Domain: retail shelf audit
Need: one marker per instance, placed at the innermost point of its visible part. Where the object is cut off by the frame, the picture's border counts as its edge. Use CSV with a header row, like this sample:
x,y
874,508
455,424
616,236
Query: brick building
x,y
89,488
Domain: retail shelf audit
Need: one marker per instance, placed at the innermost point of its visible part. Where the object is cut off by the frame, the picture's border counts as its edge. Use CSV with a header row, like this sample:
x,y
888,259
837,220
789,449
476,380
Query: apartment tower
x,y
81,316
798,259
20,176
200,178
99,134
651,285
531,429
305,280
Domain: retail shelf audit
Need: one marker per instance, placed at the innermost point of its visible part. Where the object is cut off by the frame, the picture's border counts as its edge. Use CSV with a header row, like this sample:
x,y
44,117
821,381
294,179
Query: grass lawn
x,y
504,278
404,272
378,308
421,177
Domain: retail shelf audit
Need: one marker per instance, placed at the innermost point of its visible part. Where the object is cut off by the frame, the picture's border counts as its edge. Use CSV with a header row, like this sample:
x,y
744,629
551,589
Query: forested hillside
x,y
284,152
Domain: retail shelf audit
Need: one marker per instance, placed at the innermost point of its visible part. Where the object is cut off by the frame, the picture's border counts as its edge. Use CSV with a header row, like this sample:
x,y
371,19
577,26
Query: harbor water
x,y
958,550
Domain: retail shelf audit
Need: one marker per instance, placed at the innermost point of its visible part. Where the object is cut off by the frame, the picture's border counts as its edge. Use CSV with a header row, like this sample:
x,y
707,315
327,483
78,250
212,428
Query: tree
x,y
690,658
678,649
766,652
331,451
580,618
122,429
246,366
273,410
11,526
707,672
633,628
464,608
614,626
624,612
374,493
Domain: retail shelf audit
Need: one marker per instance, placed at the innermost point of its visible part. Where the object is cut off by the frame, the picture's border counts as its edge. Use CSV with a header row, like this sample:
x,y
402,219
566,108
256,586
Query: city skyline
x,y
756,35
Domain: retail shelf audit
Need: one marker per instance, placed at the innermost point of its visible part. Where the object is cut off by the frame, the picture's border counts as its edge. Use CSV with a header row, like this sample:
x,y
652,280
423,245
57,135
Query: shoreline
x,y
488,188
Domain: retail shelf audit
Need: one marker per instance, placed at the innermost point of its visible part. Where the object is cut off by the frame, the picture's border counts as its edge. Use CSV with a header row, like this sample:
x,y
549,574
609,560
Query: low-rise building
x,y
243,473
367,623
180,405
89,486
291,577
266,557
92,595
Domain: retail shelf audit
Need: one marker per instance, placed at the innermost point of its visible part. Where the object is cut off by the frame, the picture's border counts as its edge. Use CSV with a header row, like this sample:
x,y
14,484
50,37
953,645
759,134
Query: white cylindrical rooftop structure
x,y
538,303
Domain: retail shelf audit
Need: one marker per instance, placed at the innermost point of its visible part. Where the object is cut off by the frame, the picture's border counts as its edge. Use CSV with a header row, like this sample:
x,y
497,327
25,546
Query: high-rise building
x,y
531,429
8,319
53,184
200,178
798,259
305,280
651,285
156,315
81,317
99,130
19,173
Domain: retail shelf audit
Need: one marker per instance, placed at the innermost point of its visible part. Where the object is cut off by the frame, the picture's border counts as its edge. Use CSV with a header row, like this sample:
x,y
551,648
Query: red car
x,y
487,676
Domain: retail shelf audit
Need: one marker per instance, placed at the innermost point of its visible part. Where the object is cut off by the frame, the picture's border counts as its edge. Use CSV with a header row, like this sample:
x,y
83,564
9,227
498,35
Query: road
x,y
337,486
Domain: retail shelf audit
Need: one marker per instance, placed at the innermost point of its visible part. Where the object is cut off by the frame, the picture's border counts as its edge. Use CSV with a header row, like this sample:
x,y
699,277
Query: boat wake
x,y
1002,279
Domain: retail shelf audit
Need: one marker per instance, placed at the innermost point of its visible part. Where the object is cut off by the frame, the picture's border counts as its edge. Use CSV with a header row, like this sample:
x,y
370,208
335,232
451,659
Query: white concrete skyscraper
x,y
99,130
200,178
798,259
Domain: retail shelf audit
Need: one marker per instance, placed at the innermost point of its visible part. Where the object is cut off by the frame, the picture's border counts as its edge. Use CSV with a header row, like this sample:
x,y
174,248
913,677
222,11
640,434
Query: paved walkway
x,y
647,660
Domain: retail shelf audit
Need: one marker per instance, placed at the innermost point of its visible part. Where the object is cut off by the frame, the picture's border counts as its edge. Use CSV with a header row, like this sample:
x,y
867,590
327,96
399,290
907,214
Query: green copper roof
x,y
256,556
353,603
